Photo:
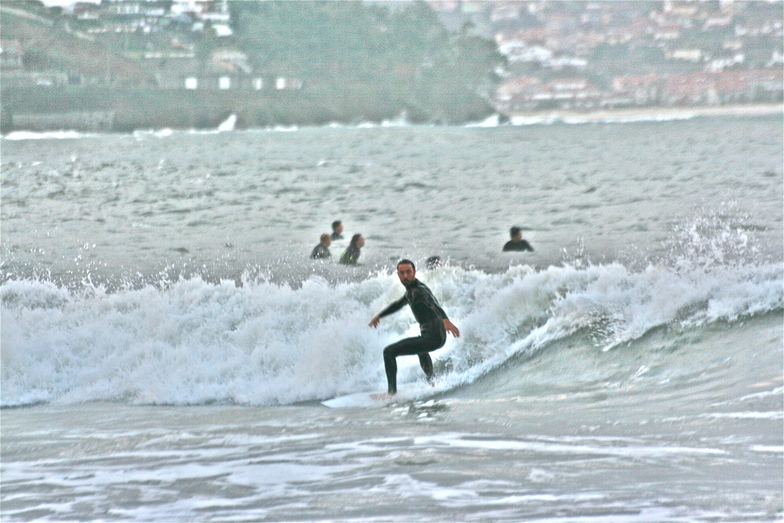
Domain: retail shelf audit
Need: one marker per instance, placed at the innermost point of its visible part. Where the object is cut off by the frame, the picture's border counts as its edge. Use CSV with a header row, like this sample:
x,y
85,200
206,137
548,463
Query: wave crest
x,y
262,343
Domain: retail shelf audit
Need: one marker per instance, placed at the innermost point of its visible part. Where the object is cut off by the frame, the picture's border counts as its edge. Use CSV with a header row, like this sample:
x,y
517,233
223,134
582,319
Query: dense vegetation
x,y
354,49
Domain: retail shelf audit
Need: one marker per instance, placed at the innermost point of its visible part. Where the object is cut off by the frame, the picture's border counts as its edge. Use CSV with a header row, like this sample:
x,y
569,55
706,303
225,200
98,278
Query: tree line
x,y
402,53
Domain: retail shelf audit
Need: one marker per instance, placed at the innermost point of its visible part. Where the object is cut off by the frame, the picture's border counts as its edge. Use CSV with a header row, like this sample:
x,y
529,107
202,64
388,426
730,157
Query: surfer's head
x,y
406,271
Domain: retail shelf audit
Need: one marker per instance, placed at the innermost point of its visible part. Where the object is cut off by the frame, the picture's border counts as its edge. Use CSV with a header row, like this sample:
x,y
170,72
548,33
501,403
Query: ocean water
x,y
166,341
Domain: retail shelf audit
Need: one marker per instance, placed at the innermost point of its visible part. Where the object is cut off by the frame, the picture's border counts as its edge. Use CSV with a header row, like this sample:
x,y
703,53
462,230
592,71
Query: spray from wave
x,y
262,343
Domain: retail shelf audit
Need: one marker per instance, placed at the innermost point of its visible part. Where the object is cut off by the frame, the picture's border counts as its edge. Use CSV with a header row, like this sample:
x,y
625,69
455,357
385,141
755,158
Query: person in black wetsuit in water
x,y
321,250
351,255
337,230
517,243
433,325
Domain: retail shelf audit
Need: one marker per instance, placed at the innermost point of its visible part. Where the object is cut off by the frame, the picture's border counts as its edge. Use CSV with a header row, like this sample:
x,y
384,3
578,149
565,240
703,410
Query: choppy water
x,y
166,340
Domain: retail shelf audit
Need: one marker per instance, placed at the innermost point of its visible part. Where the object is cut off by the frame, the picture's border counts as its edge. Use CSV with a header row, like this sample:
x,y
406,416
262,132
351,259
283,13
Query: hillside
x,y
48,44
351,62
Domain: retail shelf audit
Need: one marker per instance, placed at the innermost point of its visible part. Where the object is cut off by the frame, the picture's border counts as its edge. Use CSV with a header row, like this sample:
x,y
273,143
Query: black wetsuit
x,y
350,255
432,334
521,245
336,236
320,251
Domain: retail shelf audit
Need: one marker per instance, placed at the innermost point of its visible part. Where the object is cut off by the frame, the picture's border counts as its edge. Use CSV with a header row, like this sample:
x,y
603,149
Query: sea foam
x,y
262,343
46,135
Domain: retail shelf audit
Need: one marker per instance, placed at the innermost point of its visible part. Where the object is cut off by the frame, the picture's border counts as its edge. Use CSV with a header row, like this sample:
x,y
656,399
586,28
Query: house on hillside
x,y
726,87
684,55
227,70
11,54
531,94
19,78
643,89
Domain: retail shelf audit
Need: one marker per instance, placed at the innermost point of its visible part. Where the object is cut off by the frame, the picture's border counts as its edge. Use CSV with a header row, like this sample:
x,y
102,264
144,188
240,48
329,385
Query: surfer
x,y
433,325
351,255
321,250
517,243
337,230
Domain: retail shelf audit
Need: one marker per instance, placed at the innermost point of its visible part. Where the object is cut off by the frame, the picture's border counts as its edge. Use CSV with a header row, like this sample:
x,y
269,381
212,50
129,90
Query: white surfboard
x,y
360,399
379,398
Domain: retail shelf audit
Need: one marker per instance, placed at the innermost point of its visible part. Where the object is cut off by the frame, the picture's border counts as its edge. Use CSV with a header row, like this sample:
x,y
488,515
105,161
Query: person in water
x,y
351,255
433,325
321,250
517,243
434,262
337,230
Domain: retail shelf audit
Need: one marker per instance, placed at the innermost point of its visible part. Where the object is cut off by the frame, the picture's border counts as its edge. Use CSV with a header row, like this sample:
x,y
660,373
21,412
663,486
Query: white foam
x,y
491,121
598,118
194,342
562,447
773,415
228,124
46,135
777,449
157,133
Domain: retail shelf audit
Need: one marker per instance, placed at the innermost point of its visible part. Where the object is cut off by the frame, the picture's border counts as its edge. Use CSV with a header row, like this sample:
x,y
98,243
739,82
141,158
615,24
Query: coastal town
x,y
555,55
592,55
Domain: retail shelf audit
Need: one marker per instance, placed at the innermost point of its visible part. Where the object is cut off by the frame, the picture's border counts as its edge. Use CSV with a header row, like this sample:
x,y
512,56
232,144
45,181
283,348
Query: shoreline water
x,y
647,113
514,118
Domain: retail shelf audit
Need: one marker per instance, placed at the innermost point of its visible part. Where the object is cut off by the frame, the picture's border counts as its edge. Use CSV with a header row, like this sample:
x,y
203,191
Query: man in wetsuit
x,y
321,250
351,255
433,325
517,243
337,230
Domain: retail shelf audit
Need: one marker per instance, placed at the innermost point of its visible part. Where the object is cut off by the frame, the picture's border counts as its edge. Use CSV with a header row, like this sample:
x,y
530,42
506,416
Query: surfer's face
x,y
406,273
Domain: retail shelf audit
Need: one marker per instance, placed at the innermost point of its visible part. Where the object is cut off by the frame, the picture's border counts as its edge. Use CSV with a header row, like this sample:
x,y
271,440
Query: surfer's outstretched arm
x,y
394,307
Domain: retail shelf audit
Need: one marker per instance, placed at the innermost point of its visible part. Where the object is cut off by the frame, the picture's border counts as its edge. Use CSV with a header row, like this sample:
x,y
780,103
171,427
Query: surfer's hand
x,y
374,322
451,327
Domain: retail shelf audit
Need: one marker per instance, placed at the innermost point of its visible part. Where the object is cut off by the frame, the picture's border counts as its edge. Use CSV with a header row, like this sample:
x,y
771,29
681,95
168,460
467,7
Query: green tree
x,y
348,46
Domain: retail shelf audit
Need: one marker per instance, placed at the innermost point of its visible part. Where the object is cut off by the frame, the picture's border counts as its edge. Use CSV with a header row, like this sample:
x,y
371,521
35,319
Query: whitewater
x,y
166,341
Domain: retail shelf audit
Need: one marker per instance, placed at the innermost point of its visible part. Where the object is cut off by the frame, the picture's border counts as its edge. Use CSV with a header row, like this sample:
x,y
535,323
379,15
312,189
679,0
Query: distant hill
x,y
48,44
358,62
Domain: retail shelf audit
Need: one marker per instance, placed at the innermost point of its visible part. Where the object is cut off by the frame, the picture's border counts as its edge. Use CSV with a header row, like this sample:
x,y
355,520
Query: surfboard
x,y
378,398
360,399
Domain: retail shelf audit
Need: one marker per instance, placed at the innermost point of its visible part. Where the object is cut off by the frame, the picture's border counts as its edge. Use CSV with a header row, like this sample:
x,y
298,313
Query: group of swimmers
x,y
351,255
